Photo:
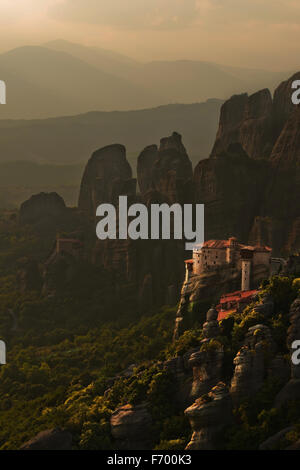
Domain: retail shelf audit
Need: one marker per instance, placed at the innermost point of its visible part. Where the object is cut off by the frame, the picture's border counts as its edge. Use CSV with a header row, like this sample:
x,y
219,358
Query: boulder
x,y
208,416
251,364
207,369
131,427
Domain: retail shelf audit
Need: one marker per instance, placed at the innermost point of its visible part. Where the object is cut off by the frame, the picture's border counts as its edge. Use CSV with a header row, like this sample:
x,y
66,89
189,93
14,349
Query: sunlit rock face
x,y
208,416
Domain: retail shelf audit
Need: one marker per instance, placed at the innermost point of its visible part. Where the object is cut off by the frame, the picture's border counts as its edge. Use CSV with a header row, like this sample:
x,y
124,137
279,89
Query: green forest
x,y
67,357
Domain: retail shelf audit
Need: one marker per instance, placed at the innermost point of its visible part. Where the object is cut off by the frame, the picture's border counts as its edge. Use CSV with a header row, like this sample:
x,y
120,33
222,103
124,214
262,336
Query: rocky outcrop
x,y
167,170
282,103
207,369
198,292
211,326
265,306
246,120
292,265
172,172
226,186
59,271
272,442
261,129
250,363
107,176
41,207
208,416
291,390
131,427
51,439
207,363
145,165
293,334
286,152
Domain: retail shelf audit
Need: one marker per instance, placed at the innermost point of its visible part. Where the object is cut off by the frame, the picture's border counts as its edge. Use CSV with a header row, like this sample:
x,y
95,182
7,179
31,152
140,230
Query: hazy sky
x,y
253,33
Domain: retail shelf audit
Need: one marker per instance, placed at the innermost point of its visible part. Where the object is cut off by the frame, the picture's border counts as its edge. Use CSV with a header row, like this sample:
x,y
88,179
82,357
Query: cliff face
x,y
282,104
106,176
167,170
250,184
208,417
231,187
42,206
247,120
250,187
152,269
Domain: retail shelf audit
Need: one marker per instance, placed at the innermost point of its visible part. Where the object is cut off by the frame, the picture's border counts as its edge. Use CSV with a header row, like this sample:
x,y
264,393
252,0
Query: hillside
x,y
71,139
62,78
178,80
59,83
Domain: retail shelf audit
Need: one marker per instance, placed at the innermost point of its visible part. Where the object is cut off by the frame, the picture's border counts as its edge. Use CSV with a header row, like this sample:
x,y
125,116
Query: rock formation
x,y
106,176
248,121
136,265
199,291
291,390
51,439
208,416
227,185
250,363
131,427
250,184
207,369
145,165
273,441
207,363
167,170
40,207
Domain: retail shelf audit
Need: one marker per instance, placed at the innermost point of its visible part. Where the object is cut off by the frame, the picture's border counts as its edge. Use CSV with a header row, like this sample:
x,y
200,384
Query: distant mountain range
x,y
72,139
62,78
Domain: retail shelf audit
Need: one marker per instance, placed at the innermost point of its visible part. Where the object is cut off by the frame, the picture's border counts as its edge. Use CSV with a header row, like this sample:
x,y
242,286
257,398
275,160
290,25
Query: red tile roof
x,y
216,244
233,297
238,295
224,314
222,244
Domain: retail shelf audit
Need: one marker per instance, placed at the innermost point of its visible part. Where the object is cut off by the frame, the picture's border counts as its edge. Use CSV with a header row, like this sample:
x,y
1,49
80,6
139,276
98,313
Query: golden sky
x,y
247,33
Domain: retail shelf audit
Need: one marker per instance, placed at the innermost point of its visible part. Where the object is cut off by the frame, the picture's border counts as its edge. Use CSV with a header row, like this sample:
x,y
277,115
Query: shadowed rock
x,y
51,439
167,170
145,164
246,120
107,175
41,206
208,416
131,427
